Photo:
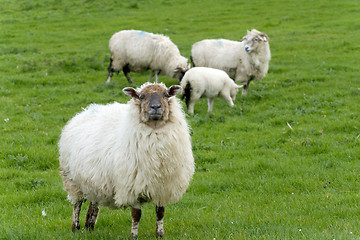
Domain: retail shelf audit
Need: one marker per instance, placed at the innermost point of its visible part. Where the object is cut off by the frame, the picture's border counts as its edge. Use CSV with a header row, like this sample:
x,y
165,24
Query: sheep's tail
x,y
192,61
187,94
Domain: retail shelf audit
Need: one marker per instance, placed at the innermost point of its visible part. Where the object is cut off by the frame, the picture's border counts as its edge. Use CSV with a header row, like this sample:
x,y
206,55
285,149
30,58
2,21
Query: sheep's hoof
x,y
75,227
133,236
89,227
159,234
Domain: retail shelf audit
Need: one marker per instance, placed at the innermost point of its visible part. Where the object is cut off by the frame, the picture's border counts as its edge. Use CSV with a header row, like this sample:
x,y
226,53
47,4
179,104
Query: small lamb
x,y
203,82
139,51
120,155
243,61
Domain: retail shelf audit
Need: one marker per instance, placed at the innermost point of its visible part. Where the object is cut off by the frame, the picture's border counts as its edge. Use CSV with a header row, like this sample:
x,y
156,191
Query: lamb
x,y
209,83
139,51
120,155
243,61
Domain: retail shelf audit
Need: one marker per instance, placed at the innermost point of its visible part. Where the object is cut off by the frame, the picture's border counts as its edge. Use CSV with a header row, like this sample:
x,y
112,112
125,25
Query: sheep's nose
x,y
155,106
247,49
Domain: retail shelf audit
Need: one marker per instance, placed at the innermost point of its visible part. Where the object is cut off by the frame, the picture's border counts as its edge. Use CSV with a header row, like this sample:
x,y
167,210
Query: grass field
x,y
256,178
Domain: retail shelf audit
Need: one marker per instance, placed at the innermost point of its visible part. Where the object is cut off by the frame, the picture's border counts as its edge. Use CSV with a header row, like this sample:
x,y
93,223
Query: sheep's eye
x,y
142,97
256,39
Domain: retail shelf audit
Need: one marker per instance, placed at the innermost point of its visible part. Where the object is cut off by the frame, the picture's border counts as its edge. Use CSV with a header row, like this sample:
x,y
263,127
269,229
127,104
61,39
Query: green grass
x,y
256,178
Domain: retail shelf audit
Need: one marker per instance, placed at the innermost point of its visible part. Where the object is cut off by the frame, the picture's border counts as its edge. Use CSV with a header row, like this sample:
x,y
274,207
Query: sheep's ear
x,y
173,90
131,92
180,69
239,86
264,37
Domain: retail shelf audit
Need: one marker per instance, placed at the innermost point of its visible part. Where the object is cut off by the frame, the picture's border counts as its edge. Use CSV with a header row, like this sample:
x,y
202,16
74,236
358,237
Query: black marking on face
x,y
155,110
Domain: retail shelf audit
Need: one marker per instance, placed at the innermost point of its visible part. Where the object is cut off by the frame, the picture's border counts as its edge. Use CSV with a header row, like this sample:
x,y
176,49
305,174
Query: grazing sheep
x,y
120,155
208,83
243,61
139,51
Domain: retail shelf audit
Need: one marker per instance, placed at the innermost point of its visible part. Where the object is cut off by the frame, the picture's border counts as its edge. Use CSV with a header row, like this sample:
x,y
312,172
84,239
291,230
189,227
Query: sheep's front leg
x,y
246,85
76,215
229,101
136,215
157,76
160,212
92,215
210,104
191,108
126,71
151,76
245,88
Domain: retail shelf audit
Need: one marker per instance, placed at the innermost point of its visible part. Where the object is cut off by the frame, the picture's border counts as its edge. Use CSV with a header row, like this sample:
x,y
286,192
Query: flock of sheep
x,y
121,155
241,61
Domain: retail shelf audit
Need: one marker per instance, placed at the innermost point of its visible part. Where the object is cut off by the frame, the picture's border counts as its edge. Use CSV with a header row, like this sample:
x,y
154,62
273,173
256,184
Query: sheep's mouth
x,y
155,116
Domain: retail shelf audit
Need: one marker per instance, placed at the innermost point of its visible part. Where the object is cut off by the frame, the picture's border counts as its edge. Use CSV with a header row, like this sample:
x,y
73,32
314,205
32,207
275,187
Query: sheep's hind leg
x,y
111,71
160,212
136,215
92,215
76,215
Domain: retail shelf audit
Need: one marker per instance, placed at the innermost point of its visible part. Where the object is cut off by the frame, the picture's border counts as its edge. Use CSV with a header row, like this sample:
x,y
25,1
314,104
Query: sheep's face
x,y
180,72
153,100
254,40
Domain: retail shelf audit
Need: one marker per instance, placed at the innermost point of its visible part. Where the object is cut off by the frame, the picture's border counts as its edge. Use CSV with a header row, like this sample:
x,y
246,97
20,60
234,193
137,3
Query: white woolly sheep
x,y
203,82
242,61
120,155
139,51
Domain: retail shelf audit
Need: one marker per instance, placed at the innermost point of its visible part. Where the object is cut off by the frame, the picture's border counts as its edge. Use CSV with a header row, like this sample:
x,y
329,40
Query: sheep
x,y
209,83
139,51
243,61
120,155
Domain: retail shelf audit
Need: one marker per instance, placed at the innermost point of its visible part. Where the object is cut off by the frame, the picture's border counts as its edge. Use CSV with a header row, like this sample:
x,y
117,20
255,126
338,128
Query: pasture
x,y
283,163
